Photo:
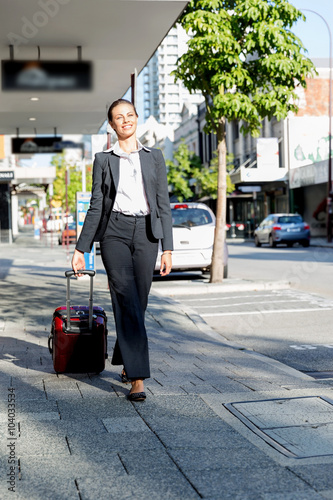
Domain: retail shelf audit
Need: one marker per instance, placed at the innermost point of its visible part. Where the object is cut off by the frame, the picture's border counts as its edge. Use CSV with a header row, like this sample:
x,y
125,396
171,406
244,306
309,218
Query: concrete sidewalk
x,y
219,422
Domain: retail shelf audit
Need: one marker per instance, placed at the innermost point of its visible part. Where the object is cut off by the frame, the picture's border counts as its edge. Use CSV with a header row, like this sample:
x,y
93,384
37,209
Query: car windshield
x,y
190,217
290,219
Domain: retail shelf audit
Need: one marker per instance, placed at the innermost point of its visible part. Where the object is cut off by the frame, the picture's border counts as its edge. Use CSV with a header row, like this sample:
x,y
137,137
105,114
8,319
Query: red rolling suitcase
x,y
80,344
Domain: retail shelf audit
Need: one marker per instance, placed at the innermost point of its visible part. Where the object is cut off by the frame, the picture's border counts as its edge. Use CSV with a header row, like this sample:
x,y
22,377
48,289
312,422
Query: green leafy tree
x,y
247,63
187,172
74,185
181,172
208,177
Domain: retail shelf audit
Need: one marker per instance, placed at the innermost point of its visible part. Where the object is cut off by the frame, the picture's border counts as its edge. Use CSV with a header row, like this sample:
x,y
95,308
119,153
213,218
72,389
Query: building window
x,y
280,154
263,130
201,146
235,130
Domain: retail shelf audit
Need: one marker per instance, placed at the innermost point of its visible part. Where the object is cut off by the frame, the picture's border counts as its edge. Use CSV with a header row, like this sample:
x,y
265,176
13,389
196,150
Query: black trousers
x,y
129,253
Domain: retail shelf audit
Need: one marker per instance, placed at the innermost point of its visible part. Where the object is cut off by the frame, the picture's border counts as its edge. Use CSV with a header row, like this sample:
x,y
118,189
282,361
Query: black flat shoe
x,y
124,379
136,396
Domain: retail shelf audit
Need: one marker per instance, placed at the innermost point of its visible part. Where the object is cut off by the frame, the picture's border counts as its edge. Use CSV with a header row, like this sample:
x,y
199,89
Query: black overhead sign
x,y
52,76
34,145
6,176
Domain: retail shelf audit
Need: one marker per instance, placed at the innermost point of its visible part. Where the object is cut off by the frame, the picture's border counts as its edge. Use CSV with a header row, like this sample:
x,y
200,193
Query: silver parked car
x,y
193,226
282,228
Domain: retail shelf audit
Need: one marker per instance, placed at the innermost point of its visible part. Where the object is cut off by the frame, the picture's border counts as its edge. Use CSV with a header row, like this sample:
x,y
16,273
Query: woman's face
x,y
124,120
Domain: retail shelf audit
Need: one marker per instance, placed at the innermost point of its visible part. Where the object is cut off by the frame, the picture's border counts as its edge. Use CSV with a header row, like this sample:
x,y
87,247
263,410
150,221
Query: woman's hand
x,y
78,262
166,263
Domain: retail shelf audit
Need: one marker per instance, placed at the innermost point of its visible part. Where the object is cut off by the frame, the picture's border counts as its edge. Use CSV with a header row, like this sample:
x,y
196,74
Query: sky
x,y
314,33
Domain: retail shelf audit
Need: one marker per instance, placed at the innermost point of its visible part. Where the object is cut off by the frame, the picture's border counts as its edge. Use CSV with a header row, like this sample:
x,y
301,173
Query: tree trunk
x,y
216,275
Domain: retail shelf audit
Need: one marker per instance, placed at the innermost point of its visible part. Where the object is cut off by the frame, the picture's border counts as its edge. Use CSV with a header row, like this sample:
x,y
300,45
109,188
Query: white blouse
x,y
131,198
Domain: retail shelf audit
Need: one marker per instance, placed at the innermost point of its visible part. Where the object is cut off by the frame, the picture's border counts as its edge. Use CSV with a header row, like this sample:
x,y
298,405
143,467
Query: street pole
x,y
329,183
66,226
134,77
10,233
83,169
51,219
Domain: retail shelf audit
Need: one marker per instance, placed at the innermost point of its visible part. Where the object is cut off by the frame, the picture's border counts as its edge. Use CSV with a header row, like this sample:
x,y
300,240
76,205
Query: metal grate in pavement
x,y
297,427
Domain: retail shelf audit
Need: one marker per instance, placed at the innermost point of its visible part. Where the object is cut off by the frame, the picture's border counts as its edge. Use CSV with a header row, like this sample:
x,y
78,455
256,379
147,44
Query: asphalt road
x,y
290,326
308,269
294,326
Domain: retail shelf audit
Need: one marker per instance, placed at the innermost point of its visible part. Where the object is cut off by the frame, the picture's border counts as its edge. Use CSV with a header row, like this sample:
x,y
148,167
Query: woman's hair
x,y
115,103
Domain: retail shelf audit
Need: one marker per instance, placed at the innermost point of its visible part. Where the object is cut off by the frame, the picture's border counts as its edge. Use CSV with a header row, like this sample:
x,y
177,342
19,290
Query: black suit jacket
x,y
104,189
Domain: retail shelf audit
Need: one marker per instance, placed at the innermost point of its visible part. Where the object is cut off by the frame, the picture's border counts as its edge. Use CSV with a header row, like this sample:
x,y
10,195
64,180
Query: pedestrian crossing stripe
x,y
273,311
305,347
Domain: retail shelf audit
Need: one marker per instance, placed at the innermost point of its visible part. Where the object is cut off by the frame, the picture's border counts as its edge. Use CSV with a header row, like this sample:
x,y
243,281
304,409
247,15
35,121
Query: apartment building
x,y
163,98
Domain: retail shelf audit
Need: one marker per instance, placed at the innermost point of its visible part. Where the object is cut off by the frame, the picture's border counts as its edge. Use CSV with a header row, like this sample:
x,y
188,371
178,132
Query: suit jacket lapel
x,y
114,166
145,160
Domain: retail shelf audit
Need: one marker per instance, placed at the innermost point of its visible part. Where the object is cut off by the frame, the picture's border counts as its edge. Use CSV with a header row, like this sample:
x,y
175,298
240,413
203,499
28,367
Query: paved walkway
x,y
321,242
219,422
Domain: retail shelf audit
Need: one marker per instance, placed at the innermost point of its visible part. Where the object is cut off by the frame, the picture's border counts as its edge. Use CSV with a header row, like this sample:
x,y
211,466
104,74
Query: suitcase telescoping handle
x,y
68,275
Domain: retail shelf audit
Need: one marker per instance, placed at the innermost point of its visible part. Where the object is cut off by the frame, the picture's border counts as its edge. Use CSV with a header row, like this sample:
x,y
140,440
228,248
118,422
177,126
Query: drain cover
x,y
297,427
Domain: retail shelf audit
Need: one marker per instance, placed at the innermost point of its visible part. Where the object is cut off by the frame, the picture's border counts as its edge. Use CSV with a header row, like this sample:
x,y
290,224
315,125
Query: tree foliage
x,y
247,62
180,172
189,179
185,174
74,185
244,58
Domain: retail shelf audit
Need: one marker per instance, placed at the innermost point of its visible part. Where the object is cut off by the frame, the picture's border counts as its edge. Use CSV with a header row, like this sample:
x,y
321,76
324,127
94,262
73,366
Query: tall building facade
x,y
163,98
150,89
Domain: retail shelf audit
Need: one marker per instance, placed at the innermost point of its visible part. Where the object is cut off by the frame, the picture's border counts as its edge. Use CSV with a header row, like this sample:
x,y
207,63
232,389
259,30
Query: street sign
x,y
267,153
82,205
50,76
34,145
7,176
250,189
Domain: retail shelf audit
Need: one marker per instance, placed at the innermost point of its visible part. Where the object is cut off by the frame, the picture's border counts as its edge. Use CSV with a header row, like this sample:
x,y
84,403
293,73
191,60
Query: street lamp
x,y
329,187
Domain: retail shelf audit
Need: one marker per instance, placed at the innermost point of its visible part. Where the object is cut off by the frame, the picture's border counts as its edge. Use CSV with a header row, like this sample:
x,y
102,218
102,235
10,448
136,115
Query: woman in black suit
x,y
129,213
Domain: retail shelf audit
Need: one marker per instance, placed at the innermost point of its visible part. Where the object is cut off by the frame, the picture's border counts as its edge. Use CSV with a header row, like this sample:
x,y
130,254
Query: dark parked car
x,y
282,228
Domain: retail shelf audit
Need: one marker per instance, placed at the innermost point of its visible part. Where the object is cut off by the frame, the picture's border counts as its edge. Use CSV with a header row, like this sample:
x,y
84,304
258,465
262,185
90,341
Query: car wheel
x,y
272,243
305,243
256,241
